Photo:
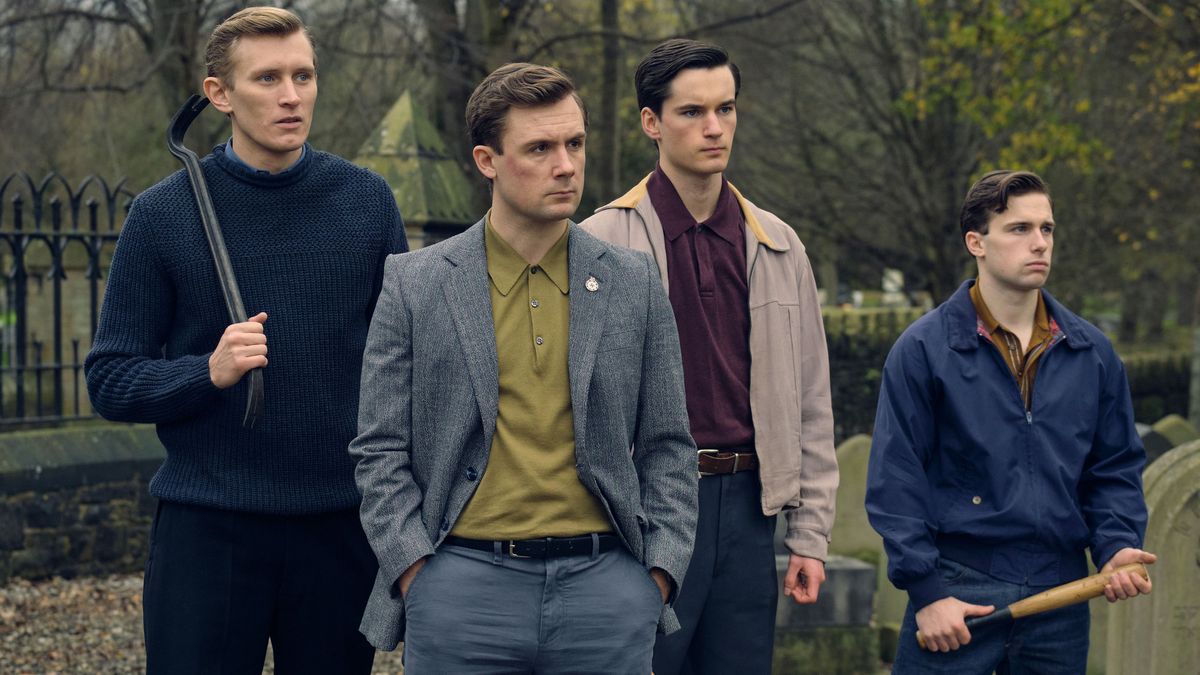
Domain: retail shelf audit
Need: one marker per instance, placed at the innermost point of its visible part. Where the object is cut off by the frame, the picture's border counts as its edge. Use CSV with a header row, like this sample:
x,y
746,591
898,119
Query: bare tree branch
x,y
722,24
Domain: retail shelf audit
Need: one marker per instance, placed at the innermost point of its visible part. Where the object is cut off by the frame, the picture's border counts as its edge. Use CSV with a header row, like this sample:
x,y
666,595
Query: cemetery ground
x,y
87,625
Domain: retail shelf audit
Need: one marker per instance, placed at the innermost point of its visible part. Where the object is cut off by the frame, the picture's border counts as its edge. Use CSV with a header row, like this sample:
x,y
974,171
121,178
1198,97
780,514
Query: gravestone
x,y
893,289
853,536
1160,634
1170,432
833,636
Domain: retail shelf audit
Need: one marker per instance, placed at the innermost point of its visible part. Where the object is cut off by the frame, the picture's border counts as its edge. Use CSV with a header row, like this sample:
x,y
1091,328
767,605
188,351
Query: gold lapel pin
x,y
591,284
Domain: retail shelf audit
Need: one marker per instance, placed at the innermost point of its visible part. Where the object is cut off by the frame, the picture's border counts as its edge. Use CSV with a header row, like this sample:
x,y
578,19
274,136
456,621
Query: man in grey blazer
x,y
528,476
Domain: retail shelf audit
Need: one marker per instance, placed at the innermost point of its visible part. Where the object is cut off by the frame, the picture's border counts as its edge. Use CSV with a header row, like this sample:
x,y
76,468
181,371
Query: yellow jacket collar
x,y
631,199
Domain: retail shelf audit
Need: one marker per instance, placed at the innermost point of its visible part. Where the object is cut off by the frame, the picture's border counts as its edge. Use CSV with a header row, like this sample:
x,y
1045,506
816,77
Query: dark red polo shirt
x,y
706,272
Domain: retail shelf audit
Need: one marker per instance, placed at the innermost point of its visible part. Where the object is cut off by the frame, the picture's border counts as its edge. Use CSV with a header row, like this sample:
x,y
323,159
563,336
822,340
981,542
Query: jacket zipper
x,y
1028,419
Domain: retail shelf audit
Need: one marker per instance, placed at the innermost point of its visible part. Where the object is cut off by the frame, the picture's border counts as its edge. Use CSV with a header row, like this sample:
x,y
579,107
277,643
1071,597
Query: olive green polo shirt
x,y
531,487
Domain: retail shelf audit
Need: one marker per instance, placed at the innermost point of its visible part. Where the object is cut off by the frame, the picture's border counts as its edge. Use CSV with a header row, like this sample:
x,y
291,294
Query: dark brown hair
x,y
654,74
520,85
248,22
990,194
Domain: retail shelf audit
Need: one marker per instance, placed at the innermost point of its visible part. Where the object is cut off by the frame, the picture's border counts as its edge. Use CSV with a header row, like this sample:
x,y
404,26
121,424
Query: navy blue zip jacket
x,y
960,469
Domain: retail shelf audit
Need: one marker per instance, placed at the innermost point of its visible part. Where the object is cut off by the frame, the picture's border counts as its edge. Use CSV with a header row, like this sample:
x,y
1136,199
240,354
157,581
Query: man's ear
x,y
218,94
650,123
974,241
485,160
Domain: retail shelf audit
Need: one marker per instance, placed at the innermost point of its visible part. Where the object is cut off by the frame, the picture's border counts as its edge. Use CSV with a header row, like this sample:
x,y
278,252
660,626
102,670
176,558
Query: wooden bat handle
x,y
1075,592
1060,596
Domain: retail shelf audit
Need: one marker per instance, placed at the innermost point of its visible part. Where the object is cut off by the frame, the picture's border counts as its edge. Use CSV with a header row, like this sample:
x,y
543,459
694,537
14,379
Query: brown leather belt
x,y
718,462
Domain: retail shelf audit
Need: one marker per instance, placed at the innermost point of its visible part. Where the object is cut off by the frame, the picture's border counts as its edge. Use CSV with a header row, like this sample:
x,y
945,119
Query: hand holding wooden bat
x,y
1067,594
1123,586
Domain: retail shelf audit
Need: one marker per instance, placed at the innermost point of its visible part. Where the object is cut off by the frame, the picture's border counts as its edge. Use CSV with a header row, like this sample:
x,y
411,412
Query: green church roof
x,y
428,183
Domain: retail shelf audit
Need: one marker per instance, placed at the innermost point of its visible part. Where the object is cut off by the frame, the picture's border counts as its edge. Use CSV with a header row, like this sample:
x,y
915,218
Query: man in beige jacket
x,y
756,367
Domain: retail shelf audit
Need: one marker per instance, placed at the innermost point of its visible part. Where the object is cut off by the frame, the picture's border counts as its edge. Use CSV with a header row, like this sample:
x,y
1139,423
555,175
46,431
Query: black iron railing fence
x,y
58,245
58,241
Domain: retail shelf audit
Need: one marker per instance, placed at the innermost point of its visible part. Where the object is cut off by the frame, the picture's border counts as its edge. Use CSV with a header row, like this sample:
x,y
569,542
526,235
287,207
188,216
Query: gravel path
x,y
87,625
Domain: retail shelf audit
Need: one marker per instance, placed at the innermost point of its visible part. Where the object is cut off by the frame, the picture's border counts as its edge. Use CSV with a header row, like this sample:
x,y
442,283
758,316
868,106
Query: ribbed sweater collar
x,y
247,174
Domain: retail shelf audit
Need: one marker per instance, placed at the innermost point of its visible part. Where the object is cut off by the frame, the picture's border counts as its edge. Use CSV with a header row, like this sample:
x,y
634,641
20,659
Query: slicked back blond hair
x,y
246,23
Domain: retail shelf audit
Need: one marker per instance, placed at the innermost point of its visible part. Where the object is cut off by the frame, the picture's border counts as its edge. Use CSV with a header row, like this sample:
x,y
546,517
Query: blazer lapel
x,y
469,303
591,287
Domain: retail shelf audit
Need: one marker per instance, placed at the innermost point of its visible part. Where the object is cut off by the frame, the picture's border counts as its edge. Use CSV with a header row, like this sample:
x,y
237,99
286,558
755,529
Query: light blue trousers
x,y
470,611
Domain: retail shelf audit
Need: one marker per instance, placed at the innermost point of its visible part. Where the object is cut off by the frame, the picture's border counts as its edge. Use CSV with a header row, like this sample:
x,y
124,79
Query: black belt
x,y
547,547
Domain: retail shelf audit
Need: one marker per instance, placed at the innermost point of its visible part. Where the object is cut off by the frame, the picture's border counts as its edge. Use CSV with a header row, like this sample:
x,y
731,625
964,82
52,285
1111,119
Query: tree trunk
x,y
609,155
176,27
1194,394
1188,301
1153,308
1127,327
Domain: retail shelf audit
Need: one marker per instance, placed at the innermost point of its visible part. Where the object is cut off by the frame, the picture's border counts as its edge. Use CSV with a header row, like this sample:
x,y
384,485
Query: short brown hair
x,y
521,85
990,194
248,22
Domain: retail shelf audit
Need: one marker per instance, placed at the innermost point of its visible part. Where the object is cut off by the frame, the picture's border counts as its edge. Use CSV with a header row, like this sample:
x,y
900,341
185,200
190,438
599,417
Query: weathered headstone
x,y
834,636
893,289
1170,432
1160,634
853,536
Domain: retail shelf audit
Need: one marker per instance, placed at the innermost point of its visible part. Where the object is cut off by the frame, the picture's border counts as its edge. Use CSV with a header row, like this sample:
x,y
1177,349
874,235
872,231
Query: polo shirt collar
x,y
1041,320
506,266
725,221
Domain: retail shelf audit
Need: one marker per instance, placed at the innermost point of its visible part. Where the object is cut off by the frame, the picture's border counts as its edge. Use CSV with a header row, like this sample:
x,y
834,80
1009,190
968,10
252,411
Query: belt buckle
x,y
512,550
709,451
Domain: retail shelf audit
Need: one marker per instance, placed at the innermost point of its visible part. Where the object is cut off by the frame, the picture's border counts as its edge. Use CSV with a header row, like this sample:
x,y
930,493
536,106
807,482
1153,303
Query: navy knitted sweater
x,y
307,247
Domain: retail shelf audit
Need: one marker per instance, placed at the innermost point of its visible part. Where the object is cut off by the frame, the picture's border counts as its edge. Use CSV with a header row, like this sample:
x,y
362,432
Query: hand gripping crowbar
x,y
212,231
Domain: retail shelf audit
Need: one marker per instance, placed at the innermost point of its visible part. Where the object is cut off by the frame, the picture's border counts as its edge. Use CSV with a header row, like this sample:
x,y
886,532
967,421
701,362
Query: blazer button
x,y
976,500
471,474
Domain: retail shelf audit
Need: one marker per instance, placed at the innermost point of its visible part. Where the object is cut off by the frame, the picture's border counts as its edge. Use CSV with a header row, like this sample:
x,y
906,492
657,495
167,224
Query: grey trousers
x,y
470,611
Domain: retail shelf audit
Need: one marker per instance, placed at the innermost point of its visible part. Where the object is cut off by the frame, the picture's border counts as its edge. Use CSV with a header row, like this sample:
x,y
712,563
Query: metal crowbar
x,y
216,242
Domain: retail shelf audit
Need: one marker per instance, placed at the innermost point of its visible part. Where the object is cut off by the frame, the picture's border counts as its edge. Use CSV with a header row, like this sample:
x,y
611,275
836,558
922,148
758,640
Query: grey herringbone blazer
x,y
430,387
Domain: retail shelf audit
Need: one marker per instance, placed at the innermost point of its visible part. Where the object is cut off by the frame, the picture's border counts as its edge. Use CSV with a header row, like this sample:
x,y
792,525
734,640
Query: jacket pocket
x,y
624,339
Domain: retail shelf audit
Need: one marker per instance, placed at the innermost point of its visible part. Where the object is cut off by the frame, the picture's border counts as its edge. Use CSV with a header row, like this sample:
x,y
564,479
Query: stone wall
x,y
74,501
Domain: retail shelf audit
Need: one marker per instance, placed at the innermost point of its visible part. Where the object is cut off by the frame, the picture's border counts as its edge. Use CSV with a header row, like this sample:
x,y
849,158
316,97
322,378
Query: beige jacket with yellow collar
x,y
789,371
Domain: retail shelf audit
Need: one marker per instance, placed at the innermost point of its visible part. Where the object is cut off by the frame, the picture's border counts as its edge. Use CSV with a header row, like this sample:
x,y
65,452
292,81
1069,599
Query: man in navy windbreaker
x,y
1004,447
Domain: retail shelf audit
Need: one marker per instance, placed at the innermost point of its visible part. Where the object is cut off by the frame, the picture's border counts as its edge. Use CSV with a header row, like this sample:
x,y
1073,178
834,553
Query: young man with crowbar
x,y
257,534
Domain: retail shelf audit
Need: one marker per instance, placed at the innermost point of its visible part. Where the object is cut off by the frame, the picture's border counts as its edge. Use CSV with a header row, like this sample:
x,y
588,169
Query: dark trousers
x,y
219,584
729,594
1053,643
